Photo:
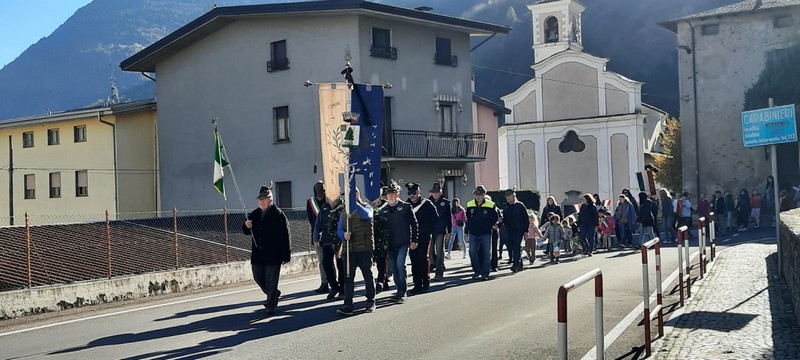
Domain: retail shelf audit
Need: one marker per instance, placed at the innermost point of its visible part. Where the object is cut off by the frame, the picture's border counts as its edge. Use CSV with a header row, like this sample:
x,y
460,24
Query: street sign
x,y
769,126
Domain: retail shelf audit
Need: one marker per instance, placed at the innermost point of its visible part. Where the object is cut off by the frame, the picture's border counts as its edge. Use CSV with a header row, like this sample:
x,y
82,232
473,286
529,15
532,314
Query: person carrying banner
x,y
313,208
357,229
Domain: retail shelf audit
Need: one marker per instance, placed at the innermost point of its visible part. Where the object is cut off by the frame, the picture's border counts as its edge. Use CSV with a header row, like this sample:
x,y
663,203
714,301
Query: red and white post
x,y
658,311
681,266
701,245
712,230
563,290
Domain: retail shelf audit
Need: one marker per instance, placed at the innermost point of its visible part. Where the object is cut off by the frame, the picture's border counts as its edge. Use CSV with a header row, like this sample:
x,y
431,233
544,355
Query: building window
x,y
27,139
446,118
278,56
444,52
283,192
81,183
382,44
783,21
30,186
52,137
281,115
551,30
55,185
80,133
710,29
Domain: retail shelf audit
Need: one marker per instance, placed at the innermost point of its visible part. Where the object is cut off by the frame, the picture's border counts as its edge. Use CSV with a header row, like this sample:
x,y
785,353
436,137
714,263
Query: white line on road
x,y
145,308
629,319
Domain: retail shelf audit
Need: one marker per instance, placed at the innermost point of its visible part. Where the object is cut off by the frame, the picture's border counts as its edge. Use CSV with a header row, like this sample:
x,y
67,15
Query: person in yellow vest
x,y
482,218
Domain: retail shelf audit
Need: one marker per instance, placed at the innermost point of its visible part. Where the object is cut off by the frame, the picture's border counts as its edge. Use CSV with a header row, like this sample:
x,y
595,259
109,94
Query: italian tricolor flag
x,y
219,163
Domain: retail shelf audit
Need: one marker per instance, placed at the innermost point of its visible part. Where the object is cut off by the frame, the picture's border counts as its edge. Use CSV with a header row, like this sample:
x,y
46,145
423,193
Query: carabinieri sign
x,y
769,126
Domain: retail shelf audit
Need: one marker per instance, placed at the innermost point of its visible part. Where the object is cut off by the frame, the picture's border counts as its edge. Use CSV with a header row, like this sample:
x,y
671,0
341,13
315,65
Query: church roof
x,y
732,9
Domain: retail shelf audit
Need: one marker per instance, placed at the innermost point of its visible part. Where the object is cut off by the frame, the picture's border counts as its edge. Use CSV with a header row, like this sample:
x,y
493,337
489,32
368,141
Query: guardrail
x,y
658,311
683,277
597,275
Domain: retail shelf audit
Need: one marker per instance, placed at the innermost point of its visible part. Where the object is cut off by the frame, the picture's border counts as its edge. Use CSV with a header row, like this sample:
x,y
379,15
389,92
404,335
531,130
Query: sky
x,y
24,22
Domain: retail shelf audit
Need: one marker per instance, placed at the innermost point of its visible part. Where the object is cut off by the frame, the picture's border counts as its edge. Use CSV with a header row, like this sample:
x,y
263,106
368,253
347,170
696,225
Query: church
x,y
575,127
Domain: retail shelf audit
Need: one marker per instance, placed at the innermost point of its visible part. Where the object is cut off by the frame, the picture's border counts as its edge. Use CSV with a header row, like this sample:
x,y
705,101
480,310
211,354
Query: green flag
x,y
219,163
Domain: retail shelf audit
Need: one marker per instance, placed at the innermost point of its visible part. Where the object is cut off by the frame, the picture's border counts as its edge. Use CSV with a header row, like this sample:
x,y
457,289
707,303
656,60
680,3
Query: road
x,y
512,316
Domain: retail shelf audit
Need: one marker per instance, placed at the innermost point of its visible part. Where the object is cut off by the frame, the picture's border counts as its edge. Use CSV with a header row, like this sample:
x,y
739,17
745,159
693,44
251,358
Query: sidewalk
x,y
741,311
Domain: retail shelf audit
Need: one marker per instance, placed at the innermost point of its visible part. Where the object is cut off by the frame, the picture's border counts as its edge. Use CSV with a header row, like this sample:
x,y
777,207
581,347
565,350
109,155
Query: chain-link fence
x,y
58,249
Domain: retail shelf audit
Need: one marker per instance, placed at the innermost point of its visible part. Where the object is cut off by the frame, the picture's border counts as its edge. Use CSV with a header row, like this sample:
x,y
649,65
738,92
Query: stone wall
x,y
66,296
790,255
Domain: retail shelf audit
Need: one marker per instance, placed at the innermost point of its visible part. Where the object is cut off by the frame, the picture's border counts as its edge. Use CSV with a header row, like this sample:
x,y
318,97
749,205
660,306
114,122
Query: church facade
x,y
575,127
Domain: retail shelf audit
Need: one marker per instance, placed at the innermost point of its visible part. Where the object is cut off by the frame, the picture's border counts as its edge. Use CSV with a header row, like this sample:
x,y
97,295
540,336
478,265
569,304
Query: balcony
x,y
434,146
277,64
385,52
445,59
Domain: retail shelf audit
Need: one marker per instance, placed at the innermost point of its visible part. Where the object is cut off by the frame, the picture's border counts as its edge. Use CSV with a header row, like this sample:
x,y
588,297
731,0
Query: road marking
x,y
147,308
630,318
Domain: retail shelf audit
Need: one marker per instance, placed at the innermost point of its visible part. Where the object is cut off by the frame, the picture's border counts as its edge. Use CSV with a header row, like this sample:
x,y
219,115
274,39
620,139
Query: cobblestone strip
x,y
742,311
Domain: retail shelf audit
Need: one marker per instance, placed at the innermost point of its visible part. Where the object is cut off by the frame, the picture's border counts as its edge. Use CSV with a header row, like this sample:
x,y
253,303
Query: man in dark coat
x,y
516,221
427,216
327,241
443,225
313,207
270,246
403,232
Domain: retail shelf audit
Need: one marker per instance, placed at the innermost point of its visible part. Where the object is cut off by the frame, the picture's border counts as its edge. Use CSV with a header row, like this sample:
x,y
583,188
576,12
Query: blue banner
x,y
365,159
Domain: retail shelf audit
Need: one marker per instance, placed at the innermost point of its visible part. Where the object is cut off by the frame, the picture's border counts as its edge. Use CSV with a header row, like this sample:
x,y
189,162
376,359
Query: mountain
x,y
73,66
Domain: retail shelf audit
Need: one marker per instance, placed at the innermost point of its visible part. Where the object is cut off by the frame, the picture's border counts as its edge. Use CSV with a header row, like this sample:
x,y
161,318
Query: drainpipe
x,y
482,42
10,182
696,122
116,179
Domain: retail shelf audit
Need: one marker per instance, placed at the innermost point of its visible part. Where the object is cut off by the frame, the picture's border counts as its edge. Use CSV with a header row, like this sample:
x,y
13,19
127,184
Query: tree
x,y
669,164
780,81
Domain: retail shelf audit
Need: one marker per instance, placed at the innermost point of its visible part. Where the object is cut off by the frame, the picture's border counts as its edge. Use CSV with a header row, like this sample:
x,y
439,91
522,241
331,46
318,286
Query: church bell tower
x,y
556,27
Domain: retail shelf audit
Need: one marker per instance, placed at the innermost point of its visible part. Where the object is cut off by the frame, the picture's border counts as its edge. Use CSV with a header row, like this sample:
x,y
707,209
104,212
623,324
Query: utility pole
x,y
10,182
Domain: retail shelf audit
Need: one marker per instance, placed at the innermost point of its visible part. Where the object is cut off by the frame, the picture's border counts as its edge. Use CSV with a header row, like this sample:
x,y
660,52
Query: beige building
x,y
80,163
576,127
726,49
487,118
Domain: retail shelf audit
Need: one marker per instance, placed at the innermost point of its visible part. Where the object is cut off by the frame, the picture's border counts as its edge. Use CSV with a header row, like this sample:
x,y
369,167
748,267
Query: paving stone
x,y
740,312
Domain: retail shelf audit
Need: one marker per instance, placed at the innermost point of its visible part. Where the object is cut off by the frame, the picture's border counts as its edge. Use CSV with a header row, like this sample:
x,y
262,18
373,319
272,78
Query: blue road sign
x,y
770,126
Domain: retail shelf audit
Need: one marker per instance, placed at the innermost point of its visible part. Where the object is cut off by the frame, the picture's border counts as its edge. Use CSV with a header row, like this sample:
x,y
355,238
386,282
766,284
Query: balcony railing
x,y
444,59
277,64
383,52
414,144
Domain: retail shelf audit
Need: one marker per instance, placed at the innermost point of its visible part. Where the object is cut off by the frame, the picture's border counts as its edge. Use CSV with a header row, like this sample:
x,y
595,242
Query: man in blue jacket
x,y
443,225
481,220
403,231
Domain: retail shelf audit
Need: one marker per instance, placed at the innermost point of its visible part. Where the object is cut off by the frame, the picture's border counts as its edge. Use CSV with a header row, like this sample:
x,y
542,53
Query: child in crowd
x,y
567,243
533,234
607,227
553,234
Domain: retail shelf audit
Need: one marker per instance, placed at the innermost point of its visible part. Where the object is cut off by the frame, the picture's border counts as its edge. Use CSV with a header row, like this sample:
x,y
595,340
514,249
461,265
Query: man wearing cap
x,y
313,208
427,216
481,219
357,230
270,246
440,229
403,231
515,219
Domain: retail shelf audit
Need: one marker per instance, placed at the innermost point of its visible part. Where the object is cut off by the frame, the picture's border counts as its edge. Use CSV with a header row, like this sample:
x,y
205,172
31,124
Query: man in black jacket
x,y
326,240
482,219
427,216
270,246
403,231
516,221
443,225
313,208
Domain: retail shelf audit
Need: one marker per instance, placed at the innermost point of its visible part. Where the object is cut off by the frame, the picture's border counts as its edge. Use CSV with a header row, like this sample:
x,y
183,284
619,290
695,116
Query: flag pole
x,y
233,176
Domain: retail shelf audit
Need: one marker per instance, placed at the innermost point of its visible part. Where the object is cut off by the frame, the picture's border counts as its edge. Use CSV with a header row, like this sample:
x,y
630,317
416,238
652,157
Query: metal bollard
x,y
597,275
657,312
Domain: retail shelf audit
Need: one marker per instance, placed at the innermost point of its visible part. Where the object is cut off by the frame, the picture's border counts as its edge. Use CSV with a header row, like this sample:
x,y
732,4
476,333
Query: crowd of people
x,y
387,232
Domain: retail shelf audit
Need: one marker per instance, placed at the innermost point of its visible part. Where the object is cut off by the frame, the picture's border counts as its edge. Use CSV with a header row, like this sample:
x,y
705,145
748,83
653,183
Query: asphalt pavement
x,y
512,316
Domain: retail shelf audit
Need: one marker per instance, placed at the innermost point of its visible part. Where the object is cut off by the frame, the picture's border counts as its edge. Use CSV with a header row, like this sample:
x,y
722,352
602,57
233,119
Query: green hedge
x,y
530,198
